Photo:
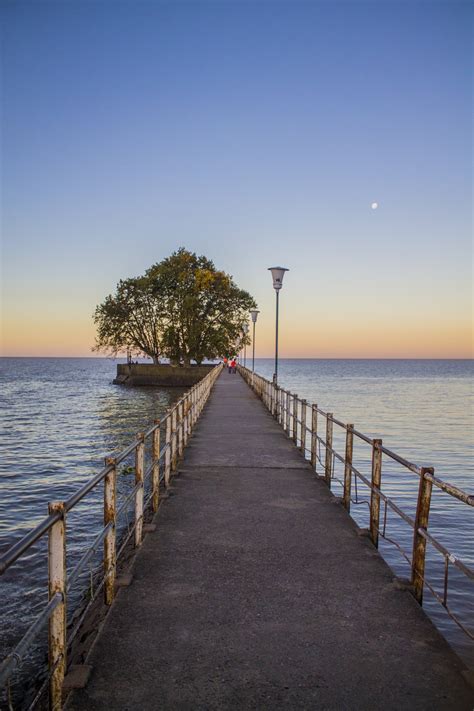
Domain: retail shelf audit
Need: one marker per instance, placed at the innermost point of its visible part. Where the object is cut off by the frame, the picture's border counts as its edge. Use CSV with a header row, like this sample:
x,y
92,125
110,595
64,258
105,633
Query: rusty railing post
x,y
183,425
303,428
178,432
139,475
295,418
191,413
189,417
57,620
328,454
193,407
374,492
155,472
110,509
180,429
198,401
174,440
288,399
421,523
314,436
348,467
168,450
186,420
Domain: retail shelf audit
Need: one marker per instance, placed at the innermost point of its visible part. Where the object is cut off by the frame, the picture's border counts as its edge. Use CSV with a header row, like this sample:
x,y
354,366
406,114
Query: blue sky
x,y
256,133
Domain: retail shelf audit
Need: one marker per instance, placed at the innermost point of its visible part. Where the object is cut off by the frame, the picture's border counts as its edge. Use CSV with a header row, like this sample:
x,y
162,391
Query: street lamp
x,y
254,313
240,345
245,330
277,275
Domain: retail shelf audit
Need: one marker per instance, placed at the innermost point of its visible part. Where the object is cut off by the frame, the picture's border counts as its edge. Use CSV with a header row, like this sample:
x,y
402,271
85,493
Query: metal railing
x,y
177,426
291,413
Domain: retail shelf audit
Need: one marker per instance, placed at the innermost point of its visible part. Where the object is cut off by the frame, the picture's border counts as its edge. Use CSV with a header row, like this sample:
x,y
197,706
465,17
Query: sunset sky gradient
x,y
257,133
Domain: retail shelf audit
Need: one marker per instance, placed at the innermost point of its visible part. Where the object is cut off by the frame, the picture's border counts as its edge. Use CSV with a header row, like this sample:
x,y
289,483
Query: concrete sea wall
x,y
164,375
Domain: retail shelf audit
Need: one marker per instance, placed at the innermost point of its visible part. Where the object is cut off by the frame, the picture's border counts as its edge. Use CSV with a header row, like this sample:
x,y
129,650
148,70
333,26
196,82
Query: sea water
x,y
62,416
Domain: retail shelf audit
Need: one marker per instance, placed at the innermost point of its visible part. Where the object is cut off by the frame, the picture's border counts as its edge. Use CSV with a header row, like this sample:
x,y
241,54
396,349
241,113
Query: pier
x,y
257,591
254,588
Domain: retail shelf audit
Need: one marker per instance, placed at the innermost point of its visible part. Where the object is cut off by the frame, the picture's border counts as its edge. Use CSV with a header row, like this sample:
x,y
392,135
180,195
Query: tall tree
x,y
131,319
204,308
182,308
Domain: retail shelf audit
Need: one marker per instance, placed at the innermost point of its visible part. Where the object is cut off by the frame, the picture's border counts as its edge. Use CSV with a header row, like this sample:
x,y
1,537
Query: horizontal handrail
x,y
154,427
451,489
84,490
21,546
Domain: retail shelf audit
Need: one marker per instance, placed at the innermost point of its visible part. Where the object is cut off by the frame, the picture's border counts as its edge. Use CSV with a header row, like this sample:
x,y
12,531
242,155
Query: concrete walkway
x,y
255,592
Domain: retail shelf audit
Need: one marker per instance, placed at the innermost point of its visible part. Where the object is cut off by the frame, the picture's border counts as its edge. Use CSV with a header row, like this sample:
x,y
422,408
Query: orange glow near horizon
x,y
60,337
64,337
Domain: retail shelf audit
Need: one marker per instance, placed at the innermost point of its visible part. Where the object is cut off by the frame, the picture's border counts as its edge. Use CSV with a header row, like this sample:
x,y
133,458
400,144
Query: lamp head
x,y
277,275
254,313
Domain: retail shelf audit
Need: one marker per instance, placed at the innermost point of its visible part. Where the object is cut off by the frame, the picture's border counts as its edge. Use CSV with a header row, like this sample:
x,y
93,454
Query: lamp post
x,y
277,275
245,330
241,345
254,313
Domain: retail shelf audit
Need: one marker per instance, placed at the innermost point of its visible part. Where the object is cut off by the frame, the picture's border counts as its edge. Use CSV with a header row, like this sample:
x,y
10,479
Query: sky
x,y
258,134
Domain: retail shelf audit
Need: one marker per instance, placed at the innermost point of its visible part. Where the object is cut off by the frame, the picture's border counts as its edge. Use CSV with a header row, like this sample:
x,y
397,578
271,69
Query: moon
x,y
374,205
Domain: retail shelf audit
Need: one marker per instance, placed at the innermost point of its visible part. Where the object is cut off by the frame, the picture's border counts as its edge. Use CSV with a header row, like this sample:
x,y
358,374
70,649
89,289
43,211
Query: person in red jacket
x,y
233,366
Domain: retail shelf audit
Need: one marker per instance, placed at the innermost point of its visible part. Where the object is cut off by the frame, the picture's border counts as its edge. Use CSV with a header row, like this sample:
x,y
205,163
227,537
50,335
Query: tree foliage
x,y
182,308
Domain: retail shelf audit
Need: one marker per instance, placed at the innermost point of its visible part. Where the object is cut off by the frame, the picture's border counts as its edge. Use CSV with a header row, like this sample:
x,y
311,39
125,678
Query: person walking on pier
x,y
233,366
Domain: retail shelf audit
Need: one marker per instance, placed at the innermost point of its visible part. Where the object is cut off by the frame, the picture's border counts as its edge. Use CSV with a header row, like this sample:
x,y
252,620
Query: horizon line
x,y
73,357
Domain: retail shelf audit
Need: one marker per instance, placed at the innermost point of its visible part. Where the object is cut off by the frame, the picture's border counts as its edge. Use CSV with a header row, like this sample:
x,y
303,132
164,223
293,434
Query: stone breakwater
x,y
162,375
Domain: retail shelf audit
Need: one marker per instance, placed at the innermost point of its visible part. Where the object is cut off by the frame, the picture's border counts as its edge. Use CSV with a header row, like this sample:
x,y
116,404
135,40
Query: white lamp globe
x,y
277,276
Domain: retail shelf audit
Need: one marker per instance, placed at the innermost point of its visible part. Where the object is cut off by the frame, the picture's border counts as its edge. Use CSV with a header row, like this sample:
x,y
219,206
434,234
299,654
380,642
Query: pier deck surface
x,y
256,592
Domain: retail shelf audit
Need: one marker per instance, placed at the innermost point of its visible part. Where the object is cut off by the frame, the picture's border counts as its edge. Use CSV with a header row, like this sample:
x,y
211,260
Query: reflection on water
x,y
61,417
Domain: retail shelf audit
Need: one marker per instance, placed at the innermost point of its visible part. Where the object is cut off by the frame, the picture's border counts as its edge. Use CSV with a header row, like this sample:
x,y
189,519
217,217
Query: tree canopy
x,y
182,308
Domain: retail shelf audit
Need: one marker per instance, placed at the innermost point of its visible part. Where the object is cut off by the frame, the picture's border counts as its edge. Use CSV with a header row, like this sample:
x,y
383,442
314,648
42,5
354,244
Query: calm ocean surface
x,y
62,416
